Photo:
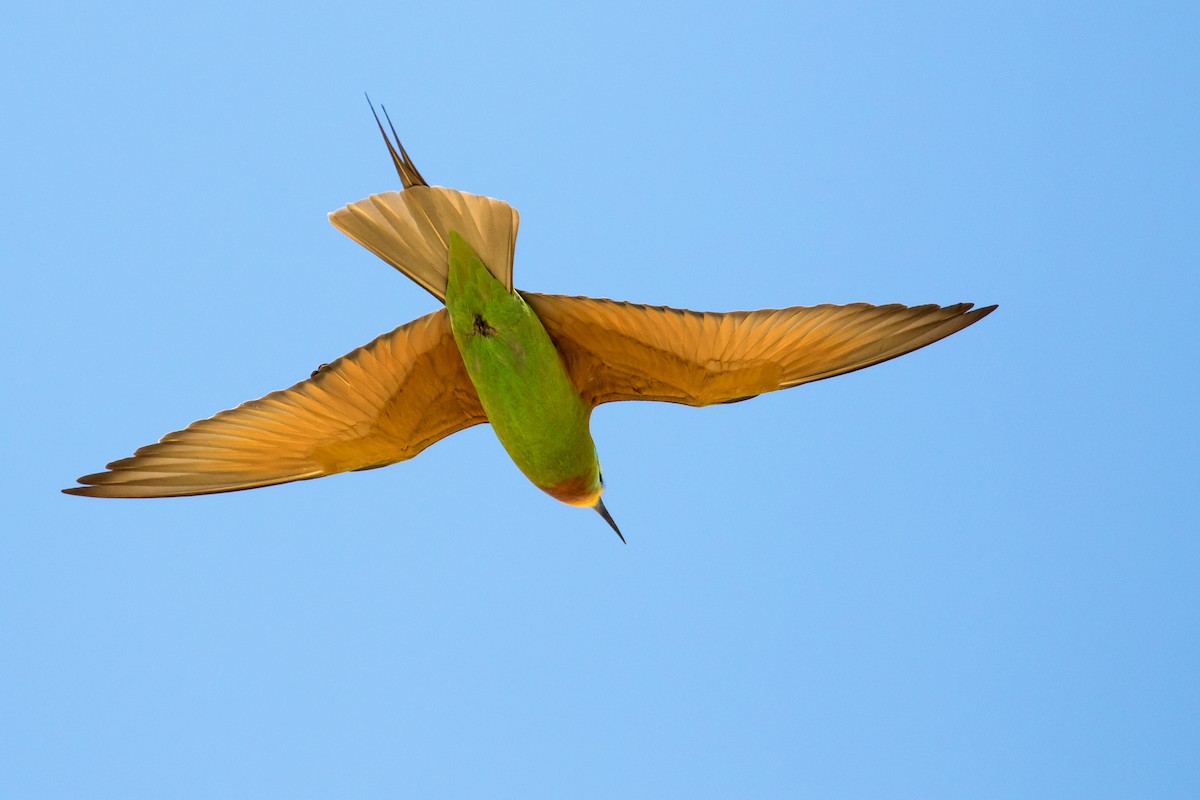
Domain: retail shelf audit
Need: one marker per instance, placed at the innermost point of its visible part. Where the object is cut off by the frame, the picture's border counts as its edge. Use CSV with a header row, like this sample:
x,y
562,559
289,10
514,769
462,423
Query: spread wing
x,y
382,403
622,351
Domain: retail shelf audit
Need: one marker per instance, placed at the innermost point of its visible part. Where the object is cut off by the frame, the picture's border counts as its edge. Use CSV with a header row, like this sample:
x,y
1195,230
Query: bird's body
x,y
532,365
533,407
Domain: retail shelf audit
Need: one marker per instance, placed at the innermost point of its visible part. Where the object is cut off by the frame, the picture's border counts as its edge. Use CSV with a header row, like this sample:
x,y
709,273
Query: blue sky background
x,y
970,572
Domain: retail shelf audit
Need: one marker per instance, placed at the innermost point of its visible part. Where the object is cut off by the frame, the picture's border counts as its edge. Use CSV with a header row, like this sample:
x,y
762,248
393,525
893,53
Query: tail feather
x,y
409,230
405,168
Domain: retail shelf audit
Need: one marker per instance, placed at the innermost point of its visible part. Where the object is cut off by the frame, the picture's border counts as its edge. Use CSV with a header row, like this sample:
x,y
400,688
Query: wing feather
x,y
624,351
382,403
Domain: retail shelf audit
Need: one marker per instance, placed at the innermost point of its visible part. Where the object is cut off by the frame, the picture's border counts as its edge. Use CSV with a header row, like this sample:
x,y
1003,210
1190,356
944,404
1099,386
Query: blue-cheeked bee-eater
x,y
532,365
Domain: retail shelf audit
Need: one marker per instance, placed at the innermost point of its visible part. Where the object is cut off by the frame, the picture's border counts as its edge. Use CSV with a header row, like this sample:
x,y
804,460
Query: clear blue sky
x,y
970,572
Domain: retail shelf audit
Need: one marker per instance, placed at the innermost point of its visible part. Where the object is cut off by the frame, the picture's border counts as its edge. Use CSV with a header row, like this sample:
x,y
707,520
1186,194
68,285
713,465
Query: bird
x,y
532,365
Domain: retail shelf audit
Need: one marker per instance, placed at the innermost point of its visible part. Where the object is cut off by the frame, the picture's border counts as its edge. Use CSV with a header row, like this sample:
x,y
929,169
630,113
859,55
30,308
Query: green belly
x,y
531,403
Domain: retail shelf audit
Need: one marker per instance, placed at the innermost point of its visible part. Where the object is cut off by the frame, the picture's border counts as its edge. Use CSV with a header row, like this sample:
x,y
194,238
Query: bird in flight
x,y
532,365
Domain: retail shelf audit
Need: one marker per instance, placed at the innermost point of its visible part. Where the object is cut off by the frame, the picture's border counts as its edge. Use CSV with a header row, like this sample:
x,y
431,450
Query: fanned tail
x,y
409,229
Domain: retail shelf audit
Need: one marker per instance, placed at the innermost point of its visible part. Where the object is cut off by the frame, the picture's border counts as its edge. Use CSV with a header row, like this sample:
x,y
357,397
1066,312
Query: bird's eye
x,y
601,478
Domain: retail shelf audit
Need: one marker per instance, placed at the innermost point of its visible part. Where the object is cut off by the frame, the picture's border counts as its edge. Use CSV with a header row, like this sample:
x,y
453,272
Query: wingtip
x,y
93,485
976,314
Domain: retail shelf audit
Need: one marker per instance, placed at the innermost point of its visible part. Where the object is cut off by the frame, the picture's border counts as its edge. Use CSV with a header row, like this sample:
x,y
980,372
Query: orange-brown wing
x,y
623,351
382,403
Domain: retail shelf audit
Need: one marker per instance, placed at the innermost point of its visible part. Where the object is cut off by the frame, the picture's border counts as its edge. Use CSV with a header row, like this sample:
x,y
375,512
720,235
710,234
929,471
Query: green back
x,y
531,403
